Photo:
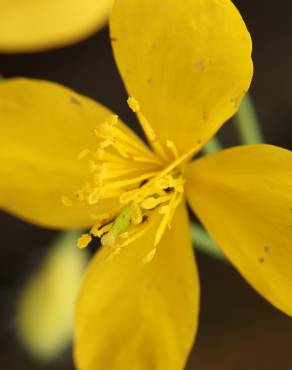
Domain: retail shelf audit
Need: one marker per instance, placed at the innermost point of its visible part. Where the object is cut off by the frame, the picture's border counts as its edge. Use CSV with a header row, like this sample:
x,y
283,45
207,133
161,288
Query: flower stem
x,y
247,123
212,146
202,242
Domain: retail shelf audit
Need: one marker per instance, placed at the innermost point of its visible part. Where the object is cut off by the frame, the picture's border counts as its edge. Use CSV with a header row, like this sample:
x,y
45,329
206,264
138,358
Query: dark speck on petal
x,y
75,101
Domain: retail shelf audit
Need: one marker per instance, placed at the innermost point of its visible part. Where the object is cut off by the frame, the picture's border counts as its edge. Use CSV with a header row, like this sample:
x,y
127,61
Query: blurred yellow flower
x,y
44,314
188,67
34,25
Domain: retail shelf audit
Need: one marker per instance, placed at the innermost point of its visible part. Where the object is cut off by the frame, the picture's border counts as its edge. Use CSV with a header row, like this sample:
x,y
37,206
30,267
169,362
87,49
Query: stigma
x,y
145,182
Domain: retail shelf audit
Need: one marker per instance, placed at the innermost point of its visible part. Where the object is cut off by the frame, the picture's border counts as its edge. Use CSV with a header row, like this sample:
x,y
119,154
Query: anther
x,y
84,240
133,104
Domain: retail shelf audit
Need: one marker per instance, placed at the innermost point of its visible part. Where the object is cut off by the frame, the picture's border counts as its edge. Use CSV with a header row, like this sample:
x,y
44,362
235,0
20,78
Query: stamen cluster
x,y
146,184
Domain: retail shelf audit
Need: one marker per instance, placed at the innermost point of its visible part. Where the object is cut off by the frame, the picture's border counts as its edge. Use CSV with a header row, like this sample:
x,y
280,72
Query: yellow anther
x,y
79,195
153,202
66,201
106,143
128,196
106,128
136,214
84,240
133,104
114,119
94,196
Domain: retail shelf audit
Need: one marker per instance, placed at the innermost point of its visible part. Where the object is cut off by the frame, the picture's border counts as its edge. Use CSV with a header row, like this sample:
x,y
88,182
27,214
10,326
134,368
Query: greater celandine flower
x,y
35,25
186,69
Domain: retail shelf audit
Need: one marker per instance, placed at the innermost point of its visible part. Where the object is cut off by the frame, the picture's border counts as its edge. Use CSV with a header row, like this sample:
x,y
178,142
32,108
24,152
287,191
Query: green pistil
x,y
120,225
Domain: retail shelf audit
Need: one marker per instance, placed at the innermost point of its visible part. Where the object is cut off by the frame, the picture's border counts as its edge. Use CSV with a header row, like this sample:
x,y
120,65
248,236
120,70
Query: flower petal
x,y
243,196
132,315
188,66
43,129
37,25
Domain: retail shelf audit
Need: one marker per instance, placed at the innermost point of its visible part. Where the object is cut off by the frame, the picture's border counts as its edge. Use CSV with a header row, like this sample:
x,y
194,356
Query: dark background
x,y
238,329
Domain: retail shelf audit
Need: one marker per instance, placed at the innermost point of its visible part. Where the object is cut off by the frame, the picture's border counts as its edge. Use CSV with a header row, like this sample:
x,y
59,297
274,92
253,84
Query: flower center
x,y
145,184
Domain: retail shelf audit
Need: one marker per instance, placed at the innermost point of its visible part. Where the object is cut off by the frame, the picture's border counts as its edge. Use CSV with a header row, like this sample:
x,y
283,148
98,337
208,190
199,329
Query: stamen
x,y
138,233
148,130
84,240
135,180
137,216
146,185
109,131
152,202
179,160
147,160
166,219
133,104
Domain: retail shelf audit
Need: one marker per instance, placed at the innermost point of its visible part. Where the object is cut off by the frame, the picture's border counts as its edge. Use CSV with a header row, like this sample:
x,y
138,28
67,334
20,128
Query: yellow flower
x,y
34,25
44,313
186,69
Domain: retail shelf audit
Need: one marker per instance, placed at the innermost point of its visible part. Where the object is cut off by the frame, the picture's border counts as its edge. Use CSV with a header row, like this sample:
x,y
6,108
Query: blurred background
x,y
238,329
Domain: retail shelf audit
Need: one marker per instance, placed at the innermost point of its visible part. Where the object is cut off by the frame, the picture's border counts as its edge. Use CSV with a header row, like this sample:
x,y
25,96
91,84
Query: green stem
x,y
212,146
202,242
247,123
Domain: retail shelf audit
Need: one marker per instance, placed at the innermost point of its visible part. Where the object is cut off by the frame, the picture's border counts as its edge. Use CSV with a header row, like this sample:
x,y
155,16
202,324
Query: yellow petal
x,y
45,309
137,315
243,196
34,25
43,129
188,66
